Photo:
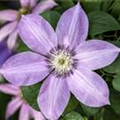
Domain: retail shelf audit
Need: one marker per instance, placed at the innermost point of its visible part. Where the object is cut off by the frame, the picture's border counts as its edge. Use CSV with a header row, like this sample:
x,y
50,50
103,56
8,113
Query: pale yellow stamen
x,y
62,62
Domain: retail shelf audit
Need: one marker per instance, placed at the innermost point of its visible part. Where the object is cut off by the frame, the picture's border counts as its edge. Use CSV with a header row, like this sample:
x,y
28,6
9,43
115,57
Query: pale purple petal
x,y
37,33
37,115
33,3
9,89
24,3
7,29
96,54
53,97
13,106
88,87
43,6
12,39
5,53
72,29
25,68
8,15
24,113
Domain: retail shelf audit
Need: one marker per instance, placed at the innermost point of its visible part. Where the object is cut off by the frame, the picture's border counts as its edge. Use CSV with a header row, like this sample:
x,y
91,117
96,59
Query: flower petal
x,y
88,87
13,106
33,3
24,113
25,68
44,6
12,39
9,89
8,15
96,54
37,33
7,29
5,53
37,115
53,98
72,29
24,3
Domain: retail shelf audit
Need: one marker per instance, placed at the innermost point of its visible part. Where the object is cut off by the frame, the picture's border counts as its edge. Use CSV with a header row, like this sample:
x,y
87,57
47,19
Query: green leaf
x,y
101,22
91,5
89,111
115,101
73,116
21,46
65,4
4,99
73,103
2,79
30,94
115,8
116,82
52,17
110,115
106,4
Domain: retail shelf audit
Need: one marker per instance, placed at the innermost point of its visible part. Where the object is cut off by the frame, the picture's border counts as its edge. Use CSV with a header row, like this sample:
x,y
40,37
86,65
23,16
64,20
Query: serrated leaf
x,y
73,116
89,111
101,22
30,94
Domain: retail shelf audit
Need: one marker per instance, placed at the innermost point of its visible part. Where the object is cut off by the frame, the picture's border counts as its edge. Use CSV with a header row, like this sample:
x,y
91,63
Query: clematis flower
x,y
63,59
17,102
12,18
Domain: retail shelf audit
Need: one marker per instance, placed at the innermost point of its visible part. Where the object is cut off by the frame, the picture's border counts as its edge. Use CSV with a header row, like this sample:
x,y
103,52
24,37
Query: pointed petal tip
x,y
78,3
1,71
108,103
119,50
54,3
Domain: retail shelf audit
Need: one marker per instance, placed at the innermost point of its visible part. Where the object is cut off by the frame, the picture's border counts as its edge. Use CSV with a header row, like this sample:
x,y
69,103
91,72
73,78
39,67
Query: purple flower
x,y
17,101
5,53
64,58
12,18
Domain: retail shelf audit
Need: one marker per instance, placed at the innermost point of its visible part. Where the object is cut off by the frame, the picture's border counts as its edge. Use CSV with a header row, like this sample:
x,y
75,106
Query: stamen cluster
x,y
60,59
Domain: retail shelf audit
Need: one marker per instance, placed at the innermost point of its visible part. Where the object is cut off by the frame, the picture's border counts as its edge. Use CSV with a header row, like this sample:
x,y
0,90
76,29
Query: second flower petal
x,y
95,54
53,98
89,88
72,28
25,69
37,33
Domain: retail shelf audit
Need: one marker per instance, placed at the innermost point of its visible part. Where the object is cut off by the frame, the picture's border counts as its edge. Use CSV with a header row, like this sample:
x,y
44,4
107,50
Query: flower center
x,y
61,61
23,11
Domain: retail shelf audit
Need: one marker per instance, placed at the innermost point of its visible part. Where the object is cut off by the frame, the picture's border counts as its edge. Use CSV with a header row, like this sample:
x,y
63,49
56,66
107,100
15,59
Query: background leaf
x,y
101,22
30,94
89,111
52,17
91,5
73,116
